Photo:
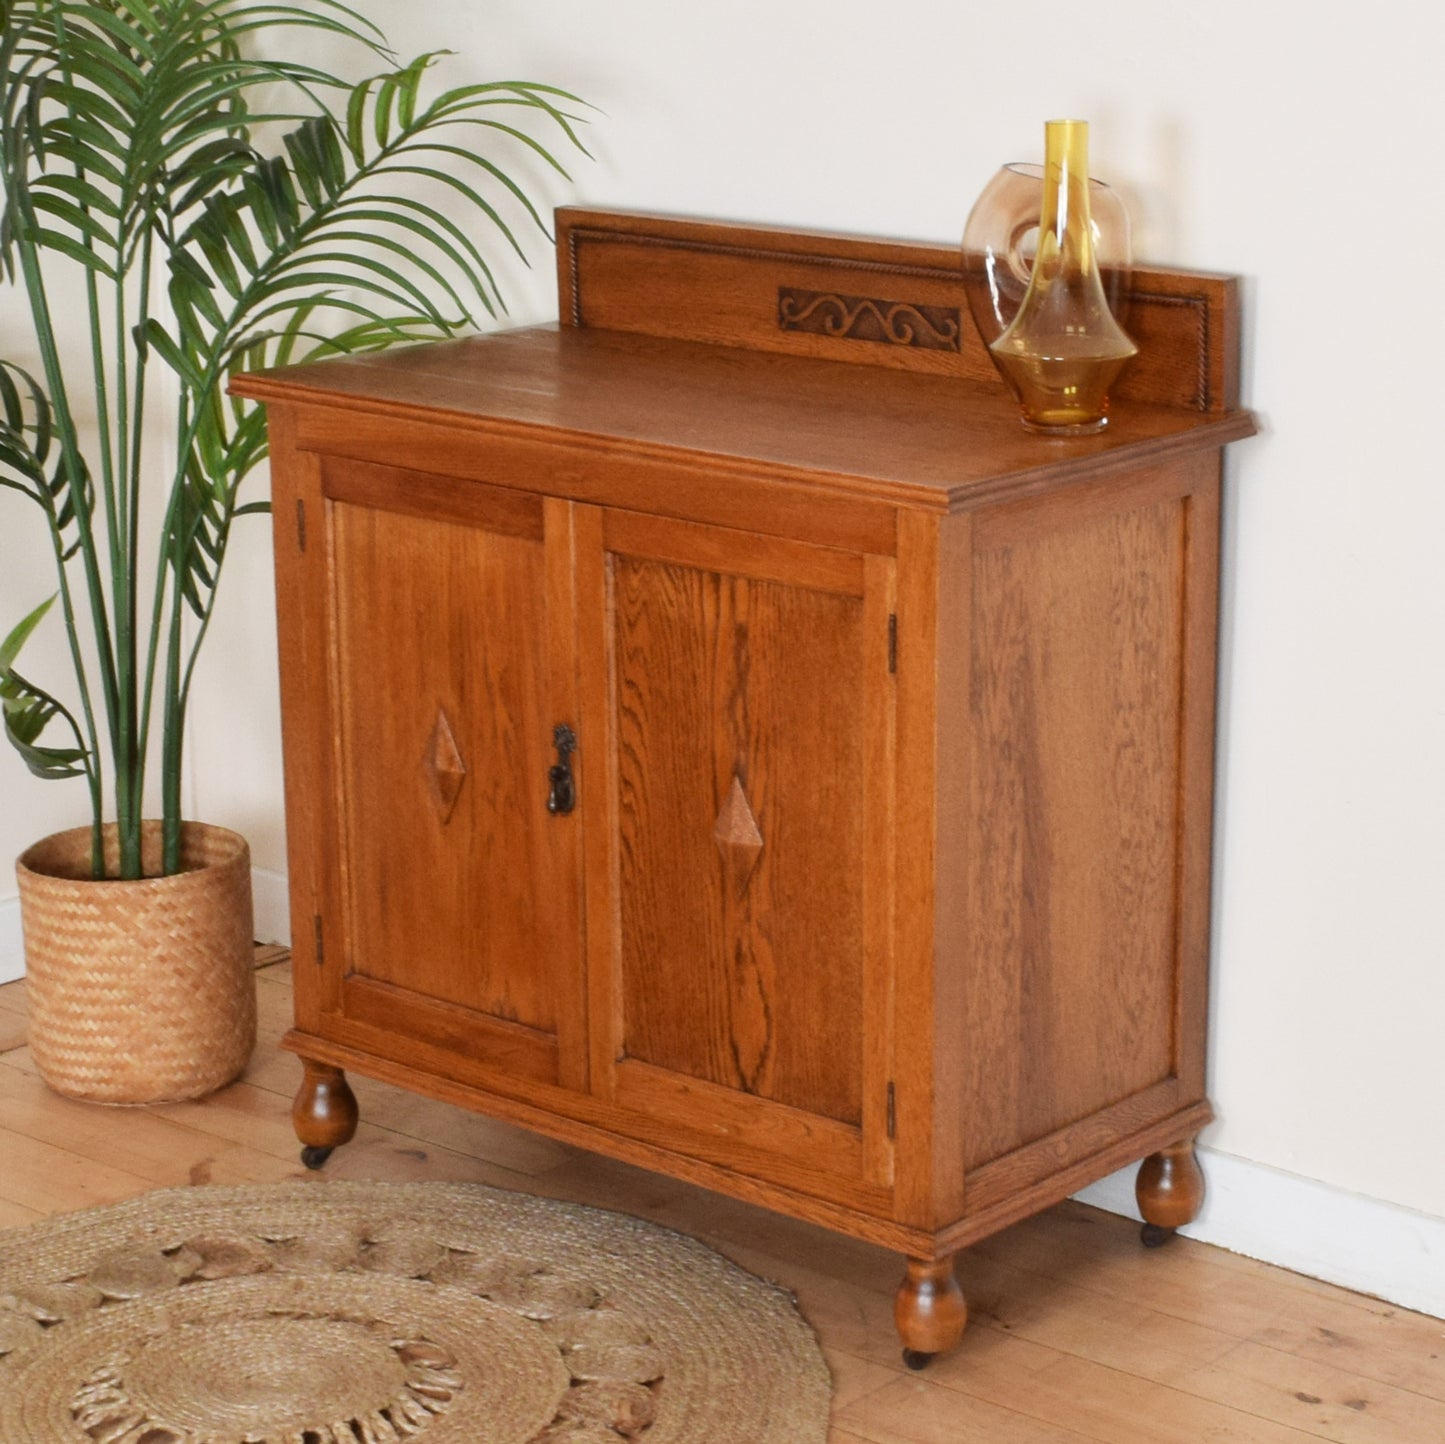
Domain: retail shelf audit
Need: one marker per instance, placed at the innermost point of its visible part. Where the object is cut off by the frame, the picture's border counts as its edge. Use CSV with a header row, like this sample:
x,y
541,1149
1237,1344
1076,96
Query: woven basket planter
x,y
140,992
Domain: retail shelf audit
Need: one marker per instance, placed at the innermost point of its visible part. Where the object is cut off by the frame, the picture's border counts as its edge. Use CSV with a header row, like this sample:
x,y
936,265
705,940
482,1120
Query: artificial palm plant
x,y
217,210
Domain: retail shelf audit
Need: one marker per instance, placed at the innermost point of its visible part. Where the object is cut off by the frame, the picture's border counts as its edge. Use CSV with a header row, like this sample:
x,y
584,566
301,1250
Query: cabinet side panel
x,y
741,738
1076,707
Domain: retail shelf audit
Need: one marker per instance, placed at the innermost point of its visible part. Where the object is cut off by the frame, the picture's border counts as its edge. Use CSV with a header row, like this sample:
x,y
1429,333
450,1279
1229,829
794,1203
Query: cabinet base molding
x,y
863,1226
1067,1181
320,1117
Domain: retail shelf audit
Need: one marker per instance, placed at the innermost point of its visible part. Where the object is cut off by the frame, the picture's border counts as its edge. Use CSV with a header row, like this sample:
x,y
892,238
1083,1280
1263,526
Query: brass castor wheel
x,y
1152,1236
915,1359
313,1158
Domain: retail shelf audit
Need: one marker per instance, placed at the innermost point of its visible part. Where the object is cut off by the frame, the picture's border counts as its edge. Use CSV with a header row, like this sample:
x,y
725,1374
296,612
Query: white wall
x,y
31,809
1257,138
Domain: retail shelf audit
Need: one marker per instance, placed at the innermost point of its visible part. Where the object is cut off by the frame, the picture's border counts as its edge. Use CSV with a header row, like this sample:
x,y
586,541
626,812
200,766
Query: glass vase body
x,y
1001,237
1064,347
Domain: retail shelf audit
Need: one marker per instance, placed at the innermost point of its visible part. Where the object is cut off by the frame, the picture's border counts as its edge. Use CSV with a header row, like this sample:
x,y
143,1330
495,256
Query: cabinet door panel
x,y
745,957
458,890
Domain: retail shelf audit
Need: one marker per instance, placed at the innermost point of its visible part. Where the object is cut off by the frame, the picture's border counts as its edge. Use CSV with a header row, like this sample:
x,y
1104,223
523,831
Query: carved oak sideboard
x,y
719,736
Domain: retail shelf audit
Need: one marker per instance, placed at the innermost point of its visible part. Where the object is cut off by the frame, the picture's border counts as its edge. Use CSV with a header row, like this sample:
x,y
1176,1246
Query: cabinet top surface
x,y
920,439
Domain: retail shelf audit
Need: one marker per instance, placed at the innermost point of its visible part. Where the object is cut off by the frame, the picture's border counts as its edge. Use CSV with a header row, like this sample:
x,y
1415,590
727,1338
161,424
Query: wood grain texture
x,y
12,1031
1199,656
929,1309
405,491
597,706
879,867
389,1016
458,611
1076,706
723,681
699,1152
441,771
324,1112
1170,1186
717,489
298,516
1021,1168
929,1175
1020,1184
622,402
956,746
761,1135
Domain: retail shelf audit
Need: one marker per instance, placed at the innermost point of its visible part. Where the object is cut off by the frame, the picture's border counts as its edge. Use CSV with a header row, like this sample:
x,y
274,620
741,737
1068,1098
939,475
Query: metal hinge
x,y
301,524
892,641
320,939
892,1113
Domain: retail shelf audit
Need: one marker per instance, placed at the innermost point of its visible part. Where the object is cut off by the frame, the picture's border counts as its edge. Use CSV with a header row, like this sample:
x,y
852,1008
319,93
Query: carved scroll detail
x,y
444,767
738,839
865,318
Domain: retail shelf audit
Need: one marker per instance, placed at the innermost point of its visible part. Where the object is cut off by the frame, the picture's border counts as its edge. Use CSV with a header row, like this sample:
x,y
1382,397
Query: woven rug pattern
x,y
361,1313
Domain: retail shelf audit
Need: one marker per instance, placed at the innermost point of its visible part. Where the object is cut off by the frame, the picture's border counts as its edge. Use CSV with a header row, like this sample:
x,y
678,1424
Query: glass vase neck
x,y
1065,219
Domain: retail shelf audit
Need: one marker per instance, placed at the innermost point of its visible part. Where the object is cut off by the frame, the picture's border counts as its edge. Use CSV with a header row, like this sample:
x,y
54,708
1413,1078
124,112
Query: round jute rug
x,y
362,1313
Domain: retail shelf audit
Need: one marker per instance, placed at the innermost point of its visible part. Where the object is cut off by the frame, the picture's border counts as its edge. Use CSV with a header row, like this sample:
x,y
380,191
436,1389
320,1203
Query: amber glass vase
x,y
1064,348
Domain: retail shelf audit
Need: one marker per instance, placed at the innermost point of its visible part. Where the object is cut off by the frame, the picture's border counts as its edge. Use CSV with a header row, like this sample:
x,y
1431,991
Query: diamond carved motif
x,y
445,769
737,837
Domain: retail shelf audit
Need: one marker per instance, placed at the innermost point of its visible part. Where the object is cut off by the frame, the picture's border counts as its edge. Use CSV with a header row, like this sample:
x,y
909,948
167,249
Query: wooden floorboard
x,y
1077,1335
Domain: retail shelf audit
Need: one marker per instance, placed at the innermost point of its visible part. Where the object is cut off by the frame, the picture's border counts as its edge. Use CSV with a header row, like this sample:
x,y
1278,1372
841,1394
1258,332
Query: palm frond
x,y
29,710
223,209
33,463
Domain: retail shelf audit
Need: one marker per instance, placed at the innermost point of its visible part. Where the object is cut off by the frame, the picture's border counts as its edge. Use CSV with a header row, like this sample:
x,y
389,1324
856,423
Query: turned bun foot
x,y
929,1310
1170,1192
324,1113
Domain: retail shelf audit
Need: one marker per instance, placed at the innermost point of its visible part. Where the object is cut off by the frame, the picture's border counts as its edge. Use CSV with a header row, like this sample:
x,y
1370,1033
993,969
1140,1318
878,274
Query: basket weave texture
x,y
144,991
381,1313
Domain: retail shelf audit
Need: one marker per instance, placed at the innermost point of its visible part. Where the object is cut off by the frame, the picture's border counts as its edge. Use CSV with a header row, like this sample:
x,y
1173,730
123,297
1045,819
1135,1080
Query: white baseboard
x,y
272,899
268,889
12,943
1311,1228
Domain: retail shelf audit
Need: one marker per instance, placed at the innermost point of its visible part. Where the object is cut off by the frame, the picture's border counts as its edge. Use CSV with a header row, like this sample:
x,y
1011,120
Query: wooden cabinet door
x,y
454,928
739,848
